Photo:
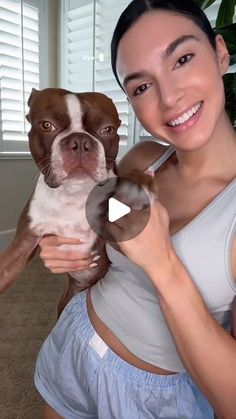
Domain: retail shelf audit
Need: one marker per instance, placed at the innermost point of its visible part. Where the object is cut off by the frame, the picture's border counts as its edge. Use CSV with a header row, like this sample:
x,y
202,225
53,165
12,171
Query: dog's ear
x,y
32,94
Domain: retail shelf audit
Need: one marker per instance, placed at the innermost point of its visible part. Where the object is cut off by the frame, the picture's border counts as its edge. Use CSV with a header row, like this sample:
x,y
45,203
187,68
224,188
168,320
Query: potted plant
x,y
226,27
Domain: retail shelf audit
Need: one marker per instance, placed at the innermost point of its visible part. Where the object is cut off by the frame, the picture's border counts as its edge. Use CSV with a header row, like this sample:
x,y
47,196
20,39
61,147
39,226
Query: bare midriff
x,y
117,347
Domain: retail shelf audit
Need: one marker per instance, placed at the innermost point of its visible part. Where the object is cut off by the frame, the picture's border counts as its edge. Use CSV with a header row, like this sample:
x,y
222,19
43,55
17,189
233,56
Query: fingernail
x,y
92,265
93,252
96,258
151,173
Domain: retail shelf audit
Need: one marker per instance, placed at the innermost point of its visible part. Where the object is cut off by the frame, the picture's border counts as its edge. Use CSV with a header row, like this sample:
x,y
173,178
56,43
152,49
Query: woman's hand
x,y
152,246
62,261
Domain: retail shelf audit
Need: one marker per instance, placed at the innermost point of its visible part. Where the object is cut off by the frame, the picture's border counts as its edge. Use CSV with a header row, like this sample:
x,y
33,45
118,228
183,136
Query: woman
x,y
150,341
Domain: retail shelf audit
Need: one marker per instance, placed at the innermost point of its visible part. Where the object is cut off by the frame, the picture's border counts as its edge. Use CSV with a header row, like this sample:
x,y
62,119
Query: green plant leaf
x,y
230,96
232,59
229,34
225,13
204,3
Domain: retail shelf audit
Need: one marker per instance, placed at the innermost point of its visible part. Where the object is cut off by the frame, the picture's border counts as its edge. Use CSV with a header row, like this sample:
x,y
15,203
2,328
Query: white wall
x,y
17,180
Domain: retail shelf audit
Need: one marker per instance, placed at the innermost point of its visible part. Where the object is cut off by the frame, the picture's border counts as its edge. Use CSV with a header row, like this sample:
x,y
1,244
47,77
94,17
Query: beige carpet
x,y
28,311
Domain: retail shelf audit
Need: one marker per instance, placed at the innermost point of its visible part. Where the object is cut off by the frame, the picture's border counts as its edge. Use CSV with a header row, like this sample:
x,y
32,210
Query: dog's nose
x,y
80,142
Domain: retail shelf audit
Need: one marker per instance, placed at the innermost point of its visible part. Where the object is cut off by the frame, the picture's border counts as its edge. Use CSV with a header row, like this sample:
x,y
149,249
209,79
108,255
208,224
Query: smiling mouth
x,y
186,116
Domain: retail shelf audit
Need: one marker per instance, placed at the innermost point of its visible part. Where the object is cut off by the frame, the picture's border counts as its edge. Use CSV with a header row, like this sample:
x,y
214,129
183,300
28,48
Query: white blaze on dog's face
x,y
76,151
73,135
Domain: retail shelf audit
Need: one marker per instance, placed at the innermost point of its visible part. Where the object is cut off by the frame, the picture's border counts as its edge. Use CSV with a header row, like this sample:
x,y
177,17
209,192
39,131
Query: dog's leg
x,y
68,293
14,259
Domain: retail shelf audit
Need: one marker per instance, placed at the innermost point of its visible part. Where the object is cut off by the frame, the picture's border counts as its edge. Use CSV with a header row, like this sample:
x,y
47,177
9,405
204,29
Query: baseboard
x,y
5,237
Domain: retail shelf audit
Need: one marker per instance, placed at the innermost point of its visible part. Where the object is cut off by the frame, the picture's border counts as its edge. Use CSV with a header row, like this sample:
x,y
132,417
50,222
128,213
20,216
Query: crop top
x,y
126,300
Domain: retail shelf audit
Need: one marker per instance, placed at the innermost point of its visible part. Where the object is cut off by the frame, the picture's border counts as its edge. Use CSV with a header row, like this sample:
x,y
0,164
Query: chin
x,y
197,138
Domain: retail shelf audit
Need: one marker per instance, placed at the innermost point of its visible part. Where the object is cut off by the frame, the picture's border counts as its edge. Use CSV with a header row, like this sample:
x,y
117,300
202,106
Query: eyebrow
x,y
173,45
166,54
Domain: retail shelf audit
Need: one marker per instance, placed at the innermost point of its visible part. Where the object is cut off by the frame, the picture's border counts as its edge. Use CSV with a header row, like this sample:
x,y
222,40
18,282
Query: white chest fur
x,y
61,211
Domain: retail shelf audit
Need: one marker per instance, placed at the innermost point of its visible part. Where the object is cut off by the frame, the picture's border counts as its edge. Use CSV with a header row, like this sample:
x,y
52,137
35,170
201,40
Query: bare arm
x,y
207,351
15,258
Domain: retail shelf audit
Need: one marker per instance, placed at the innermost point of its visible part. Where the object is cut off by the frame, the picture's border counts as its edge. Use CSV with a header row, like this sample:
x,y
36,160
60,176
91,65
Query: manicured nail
x,y
151,173
92,265
96,258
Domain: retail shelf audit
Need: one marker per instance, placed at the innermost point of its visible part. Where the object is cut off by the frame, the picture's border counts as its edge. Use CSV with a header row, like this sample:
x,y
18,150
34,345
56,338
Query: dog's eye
x,y
107,130
46,126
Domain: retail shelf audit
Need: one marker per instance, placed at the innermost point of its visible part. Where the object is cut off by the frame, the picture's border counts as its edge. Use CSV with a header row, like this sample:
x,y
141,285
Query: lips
x,y
185,117
189,120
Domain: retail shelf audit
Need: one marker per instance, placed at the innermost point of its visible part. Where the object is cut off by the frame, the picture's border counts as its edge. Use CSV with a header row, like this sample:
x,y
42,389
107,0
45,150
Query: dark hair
x,y
137,8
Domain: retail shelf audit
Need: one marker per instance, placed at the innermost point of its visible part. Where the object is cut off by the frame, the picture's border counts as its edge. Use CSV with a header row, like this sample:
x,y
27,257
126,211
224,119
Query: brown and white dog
x,y
74,142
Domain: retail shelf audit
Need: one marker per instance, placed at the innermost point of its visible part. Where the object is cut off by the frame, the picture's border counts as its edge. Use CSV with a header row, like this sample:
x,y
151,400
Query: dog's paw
x,y
138,190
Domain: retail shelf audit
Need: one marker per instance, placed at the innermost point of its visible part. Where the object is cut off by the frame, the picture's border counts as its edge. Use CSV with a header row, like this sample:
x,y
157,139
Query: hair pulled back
x,y
137,8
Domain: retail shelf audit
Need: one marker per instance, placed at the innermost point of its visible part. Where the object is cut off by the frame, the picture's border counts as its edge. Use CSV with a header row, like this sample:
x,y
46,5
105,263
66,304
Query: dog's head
x,y
72,134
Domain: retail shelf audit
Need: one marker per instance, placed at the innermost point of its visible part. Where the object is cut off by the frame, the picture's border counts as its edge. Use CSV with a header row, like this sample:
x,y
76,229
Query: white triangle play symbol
x,y
116,209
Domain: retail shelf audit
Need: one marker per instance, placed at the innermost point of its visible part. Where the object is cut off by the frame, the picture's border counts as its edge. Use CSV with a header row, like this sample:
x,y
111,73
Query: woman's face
x,y
173,78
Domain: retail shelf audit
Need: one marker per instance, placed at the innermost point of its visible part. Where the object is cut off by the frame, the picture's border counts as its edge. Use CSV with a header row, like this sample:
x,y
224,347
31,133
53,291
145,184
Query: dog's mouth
x,y
67,172
71,161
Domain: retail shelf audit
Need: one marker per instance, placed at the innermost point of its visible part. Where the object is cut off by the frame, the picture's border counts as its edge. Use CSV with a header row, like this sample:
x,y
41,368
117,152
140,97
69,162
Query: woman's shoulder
x,y
140,156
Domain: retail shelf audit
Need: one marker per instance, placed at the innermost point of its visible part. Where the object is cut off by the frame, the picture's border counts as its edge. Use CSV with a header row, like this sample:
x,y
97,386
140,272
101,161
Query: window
x,y
20,21
87,27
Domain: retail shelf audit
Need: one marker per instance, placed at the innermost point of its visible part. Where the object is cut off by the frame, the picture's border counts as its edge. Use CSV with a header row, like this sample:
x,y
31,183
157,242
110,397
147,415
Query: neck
x,y
215,158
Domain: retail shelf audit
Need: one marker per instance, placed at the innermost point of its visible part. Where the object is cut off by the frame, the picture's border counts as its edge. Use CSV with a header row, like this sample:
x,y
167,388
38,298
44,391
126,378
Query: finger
x,y
54,268
129,225
76,264
53,254
64,271
151,173
58,240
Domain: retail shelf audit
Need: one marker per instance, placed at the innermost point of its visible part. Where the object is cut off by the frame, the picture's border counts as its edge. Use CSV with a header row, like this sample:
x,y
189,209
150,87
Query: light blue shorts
x,y
80,377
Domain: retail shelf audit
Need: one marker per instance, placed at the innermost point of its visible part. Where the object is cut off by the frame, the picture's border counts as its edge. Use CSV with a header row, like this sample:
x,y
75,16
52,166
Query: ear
x,y
32,94
222,54
27,117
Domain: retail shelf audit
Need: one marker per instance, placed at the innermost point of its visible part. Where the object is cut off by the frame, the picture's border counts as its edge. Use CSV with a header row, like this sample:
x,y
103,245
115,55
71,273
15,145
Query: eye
x,y
141,89
109,130
184,60
46,126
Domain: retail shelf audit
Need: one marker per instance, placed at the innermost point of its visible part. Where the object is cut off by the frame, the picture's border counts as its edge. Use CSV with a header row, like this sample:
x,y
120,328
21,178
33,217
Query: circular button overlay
x,y
117,209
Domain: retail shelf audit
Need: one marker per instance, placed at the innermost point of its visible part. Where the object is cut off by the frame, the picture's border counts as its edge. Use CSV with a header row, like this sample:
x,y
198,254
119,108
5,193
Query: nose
x,y
80,143
171,92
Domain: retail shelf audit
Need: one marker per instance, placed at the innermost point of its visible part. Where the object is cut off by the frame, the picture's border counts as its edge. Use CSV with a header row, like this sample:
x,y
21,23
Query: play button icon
x,y
117,209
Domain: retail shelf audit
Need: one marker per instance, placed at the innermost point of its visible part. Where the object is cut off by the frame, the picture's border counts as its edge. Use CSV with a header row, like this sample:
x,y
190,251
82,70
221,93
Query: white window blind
x,y
107,14
19,69
78,45
87,28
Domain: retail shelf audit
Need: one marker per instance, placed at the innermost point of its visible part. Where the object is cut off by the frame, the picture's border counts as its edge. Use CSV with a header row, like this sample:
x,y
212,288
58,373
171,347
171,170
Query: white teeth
x,y
185,117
